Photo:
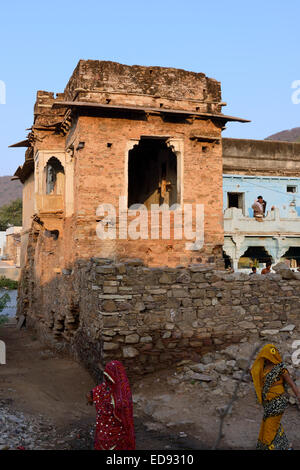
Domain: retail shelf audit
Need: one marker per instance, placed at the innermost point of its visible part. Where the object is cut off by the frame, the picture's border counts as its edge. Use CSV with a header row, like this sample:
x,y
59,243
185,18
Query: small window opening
x,y
235,200
291,189
52,234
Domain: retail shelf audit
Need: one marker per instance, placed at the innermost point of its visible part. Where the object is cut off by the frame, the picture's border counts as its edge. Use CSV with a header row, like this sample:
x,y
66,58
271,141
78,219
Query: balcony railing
x,y
49,203
236,223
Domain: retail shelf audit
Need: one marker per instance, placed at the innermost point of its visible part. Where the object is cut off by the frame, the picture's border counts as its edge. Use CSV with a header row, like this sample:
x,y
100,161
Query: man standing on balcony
x,y
259,208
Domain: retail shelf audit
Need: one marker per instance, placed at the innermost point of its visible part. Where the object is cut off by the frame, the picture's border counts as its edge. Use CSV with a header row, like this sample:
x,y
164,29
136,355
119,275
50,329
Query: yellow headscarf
x,y
271,353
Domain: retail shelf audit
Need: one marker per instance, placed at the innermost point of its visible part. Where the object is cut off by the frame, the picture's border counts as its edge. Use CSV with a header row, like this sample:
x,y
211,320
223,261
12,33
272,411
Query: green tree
x,y
11,214
4,299
8,284
5,284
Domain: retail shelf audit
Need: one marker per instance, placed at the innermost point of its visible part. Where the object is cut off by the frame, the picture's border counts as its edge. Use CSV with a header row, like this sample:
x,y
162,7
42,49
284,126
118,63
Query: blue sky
x,y
251,47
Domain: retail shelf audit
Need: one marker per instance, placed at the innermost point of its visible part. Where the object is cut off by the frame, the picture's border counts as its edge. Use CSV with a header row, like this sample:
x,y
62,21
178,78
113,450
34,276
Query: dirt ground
x,y
38,383
196,412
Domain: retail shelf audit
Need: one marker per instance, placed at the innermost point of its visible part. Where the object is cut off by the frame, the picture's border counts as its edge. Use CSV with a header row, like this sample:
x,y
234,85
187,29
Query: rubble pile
x,y
221,372
26,432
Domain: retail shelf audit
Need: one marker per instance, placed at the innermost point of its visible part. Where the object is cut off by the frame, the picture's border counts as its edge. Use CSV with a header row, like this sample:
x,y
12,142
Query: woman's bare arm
x,y
292,384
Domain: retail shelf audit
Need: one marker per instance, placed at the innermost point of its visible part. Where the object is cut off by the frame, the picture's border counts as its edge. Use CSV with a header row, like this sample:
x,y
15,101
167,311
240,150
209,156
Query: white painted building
x,y
2,243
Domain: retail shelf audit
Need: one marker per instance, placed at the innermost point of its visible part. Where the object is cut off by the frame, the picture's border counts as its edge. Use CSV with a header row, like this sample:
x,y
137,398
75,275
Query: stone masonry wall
x,y
94,80
150,317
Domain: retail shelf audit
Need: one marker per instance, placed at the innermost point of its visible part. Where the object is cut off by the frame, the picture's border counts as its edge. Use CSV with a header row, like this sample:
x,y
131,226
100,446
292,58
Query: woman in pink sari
x,y
113,402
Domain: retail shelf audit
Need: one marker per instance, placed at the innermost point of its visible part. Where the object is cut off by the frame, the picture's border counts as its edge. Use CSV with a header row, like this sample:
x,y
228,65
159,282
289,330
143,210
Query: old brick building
x,y
149,135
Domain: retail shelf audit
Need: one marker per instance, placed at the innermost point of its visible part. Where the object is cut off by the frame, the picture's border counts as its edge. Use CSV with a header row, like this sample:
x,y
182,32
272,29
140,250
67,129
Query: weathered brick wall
x,y
151,317
100,177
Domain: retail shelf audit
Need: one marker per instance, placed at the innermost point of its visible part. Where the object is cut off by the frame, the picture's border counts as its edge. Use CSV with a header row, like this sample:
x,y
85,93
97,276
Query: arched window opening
x,y
253,256
293,255
55,177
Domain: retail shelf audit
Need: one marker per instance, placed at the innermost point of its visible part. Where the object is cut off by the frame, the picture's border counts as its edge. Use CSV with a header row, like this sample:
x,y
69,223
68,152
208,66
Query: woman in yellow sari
x,y
270,377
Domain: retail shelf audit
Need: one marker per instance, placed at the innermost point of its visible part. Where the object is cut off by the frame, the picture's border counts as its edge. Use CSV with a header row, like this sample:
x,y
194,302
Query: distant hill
x,y
9,190
291,135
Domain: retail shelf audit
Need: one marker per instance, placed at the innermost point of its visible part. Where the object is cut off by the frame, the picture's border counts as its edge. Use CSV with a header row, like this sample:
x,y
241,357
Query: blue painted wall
x,y
273,190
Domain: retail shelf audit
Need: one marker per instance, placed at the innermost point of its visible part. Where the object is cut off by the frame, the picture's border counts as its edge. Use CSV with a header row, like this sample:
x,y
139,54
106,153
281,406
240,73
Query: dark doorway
x,y
152,173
